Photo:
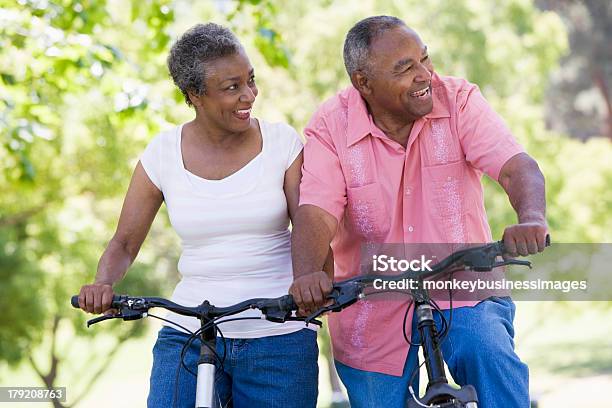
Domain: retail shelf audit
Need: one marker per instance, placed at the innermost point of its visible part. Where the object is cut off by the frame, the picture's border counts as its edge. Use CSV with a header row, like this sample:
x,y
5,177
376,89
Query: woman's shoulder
x,y
169,134
280,132
283,141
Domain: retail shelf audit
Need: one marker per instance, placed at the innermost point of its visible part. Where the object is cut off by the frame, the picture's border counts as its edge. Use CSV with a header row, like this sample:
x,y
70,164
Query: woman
x,y
230,183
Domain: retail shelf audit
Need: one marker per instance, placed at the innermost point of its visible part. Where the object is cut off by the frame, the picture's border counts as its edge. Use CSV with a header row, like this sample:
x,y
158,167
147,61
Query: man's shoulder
x,y
452,85
334,106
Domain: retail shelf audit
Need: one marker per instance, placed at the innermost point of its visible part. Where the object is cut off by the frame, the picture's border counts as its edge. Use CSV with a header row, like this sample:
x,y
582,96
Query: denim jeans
x,y
273,371
479,350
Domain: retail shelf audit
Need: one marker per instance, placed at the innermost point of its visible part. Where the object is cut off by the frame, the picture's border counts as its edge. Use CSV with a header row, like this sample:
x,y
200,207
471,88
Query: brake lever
x,y
91,322
342,295
308,320
312,318
125,314
512,262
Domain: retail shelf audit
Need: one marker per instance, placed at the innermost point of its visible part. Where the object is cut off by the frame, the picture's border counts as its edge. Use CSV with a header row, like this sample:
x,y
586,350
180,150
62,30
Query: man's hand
x,y
310,291
525,238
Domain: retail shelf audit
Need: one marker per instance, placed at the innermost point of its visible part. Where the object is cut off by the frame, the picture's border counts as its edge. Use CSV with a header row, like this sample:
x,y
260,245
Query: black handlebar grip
x,y
74,301
117,299
287,303
503,247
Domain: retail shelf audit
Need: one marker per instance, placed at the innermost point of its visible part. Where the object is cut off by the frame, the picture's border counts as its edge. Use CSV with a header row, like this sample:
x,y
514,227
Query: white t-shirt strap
x,y
295,146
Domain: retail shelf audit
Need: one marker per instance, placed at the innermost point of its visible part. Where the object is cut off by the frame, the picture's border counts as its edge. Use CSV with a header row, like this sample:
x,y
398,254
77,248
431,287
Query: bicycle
x,y
133,308
439,394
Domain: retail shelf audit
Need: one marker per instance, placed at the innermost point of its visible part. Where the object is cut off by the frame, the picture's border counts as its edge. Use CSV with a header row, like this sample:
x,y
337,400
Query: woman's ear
x,y
196,100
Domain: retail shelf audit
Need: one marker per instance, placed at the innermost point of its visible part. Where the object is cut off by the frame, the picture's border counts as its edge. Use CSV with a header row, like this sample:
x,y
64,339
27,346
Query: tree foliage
x,y
580,94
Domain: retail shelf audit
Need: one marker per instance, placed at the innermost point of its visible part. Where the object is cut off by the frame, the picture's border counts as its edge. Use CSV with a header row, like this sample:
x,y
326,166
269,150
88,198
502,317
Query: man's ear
x,y
361,82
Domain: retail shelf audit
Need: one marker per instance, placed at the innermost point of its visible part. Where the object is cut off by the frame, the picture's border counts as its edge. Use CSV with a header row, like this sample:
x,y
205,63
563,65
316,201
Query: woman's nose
x,y
248,95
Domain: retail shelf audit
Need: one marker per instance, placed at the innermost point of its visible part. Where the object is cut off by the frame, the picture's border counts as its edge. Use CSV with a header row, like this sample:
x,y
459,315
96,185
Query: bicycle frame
x,y
133,308
205,384
439,393
438,389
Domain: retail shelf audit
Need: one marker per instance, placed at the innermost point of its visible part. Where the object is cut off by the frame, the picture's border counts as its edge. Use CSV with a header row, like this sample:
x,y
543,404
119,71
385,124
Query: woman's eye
x,y
232,87
252,79
425,58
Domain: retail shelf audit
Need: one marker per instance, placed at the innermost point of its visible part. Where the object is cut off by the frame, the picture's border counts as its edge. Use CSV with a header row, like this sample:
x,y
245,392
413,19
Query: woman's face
x,y
230,93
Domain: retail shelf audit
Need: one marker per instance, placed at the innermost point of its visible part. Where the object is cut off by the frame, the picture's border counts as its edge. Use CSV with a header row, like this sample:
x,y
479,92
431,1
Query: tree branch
x,y
18,218
602,86
109,358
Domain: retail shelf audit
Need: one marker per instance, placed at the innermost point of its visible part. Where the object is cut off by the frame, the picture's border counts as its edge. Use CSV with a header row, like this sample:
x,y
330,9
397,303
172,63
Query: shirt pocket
x,y
445,199
368,216
441,146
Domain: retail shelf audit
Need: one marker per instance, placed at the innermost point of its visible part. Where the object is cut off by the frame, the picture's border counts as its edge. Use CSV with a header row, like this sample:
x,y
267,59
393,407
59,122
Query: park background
x,y
84,87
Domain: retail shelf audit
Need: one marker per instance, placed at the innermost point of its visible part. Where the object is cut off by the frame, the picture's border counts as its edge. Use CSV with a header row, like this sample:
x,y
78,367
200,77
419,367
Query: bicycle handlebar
x,y
480,259
131,308
345,293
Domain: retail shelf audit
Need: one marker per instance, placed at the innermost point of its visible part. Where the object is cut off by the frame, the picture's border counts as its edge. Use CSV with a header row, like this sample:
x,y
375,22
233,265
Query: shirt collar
x,y
361,123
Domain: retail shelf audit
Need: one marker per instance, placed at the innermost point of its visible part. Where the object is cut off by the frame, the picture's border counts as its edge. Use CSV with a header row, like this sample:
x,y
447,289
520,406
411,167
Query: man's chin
x,y
425,109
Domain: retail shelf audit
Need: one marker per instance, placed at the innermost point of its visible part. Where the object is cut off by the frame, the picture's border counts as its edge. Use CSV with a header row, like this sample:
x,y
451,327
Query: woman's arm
x,y
293,176
140,206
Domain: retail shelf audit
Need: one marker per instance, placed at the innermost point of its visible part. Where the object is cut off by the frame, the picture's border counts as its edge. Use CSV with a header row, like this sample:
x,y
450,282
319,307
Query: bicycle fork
x,y
439,392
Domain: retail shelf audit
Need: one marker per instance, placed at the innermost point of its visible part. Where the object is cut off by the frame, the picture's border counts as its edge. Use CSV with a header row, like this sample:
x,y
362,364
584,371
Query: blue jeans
x,y
274,371
479,350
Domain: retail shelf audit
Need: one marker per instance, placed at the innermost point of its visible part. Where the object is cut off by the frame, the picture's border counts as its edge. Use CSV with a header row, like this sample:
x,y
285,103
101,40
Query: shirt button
x,y
410,228
408,191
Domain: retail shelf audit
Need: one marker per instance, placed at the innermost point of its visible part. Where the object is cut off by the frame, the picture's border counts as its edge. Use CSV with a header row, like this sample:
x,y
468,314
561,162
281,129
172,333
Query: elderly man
x,y
397,158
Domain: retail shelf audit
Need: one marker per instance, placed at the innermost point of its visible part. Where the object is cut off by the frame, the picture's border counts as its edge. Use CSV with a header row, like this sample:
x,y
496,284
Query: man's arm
x,y
313,231
523,181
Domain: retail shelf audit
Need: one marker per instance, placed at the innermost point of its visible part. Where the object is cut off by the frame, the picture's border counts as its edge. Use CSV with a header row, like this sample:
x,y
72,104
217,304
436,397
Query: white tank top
x,y
234,231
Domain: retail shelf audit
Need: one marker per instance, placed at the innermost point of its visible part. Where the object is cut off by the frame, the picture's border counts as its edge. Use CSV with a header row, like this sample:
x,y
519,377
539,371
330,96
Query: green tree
x,y
83,87
72,94
579,100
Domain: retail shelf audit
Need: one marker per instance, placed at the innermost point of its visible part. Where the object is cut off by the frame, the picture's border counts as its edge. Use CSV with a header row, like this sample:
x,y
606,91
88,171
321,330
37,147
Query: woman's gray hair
x,y
199,45
359,38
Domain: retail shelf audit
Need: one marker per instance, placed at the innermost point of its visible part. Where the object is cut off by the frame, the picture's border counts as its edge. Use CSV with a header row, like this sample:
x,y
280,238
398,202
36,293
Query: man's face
x,y
399,75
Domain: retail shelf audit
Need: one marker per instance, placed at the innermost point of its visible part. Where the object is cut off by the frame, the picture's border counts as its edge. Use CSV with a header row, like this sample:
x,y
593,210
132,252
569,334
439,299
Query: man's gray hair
x,y
359,38
199,45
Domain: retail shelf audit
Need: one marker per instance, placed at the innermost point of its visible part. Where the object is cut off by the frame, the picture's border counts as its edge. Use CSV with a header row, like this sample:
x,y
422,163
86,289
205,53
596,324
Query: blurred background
x,y
84,87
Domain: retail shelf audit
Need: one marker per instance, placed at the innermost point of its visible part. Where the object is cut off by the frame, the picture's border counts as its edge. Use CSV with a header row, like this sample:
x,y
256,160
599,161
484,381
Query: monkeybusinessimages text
x,y
385,263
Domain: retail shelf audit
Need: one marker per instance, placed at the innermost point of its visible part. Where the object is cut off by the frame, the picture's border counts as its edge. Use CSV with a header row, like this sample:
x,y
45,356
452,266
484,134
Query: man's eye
x,y
232,87
252,79
425,58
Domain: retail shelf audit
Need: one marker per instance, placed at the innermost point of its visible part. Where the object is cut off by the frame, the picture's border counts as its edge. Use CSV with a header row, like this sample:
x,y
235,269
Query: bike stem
x,y
438,389
205,389
429,336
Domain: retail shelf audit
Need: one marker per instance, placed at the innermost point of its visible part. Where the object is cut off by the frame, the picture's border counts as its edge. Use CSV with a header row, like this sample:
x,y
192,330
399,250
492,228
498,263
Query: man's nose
x,y
423,74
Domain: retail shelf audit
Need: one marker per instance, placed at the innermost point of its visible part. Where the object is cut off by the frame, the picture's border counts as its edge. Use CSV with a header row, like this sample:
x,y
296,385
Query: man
x,y
397,158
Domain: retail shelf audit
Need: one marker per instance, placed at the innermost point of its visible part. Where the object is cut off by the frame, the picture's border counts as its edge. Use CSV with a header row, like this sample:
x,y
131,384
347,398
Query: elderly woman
x,y
230,183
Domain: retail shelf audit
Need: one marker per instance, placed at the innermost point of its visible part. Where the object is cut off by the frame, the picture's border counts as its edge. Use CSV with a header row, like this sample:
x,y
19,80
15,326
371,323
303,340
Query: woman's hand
x,y
96,298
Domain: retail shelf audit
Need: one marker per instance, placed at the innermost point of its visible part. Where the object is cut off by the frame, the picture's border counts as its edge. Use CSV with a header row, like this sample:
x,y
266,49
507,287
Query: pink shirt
x,y
380,191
